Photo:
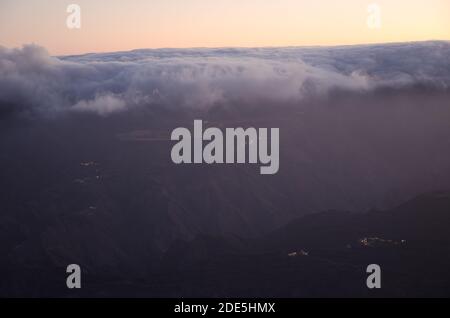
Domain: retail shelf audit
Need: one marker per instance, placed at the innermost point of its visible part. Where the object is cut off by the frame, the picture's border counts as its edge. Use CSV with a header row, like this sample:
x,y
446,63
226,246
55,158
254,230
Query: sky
x,y
120,25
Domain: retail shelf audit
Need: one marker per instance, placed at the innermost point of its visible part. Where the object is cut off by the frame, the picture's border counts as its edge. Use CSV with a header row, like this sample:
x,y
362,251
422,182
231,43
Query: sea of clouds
x,y
34,83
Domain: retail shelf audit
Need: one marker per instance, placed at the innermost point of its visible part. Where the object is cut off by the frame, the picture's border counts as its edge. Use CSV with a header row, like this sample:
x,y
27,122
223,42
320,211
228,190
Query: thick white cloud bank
x,y
32,81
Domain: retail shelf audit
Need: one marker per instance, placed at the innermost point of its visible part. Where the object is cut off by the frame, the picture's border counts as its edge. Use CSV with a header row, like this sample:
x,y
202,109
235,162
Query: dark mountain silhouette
x,y
320,255
326,255
103,193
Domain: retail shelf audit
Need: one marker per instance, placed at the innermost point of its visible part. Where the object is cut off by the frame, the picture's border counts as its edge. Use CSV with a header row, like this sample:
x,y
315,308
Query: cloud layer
x,y
33,82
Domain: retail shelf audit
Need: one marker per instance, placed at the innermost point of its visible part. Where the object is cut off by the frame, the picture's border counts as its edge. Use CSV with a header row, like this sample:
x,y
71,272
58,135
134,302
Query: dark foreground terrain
x,y
320,255
103,193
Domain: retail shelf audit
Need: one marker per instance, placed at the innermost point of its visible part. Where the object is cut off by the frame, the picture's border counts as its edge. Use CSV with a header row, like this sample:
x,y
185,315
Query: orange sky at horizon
x,y
117,25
